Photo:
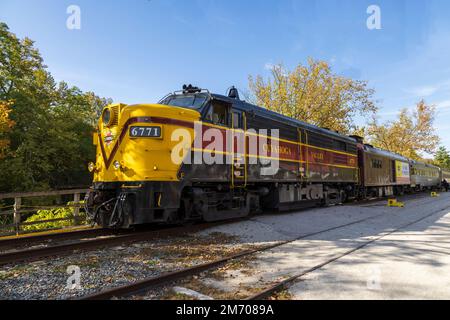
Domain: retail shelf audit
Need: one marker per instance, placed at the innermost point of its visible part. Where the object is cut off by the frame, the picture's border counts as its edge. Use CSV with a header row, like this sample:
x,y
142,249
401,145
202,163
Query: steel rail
x,y
31,239
35,254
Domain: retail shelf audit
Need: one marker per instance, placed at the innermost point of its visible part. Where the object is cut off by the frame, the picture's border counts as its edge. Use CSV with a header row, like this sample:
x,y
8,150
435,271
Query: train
x,y
200,156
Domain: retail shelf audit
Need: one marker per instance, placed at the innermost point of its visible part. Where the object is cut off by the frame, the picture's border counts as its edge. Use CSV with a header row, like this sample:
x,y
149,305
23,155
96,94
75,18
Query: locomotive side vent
x,y
115,115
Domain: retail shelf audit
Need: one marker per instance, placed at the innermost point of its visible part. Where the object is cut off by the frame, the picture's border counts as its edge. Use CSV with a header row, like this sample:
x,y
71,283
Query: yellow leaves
x,y
313,94
6,125
410,134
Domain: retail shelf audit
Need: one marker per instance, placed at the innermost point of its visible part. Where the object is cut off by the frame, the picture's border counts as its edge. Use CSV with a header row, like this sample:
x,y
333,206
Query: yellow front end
x,y
122,157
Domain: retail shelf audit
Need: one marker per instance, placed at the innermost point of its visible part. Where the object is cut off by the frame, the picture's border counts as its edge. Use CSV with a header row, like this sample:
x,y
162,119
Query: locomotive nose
x,y
135,142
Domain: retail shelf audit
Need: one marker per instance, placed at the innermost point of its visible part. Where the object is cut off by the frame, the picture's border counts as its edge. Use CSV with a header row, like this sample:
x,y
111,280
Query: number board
x,y
145,132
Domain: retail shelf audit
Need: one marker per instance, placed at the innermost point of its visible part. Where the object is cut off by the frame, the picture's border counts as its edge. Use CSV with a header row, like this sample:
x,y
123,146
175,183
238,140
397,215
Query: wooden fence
x,y
17,210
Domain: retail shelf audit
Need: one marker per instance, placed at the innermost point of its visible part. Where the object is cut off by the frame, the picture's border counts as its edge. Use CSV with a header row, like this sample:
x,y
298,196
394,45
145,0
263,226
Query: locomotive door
x,y
303,154
239,150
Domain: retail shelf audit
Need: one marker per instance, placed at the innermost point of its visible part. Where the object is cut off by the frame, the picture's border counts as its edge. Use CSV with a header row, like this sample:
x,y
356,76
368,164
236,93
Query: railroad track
x,y
150,283
33,239
34,254
30,240
154,282
89,241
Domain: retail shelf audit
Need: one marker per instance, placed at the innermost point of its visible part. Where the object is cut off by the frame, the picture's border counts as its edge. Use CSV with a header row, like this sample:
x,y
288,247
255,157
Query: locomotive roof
x,y
385,153
245,106
415,162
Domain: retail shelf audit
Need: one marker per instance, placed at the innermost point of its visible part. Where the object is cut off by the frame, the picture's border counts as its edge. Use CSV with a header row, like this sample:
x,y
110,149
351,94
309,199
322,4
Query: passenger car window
x,y
377,164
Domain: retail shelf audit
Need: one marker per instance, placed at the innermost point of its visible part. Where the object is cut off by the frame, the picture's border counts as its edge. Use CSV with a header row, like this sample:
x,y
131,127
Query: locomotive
x,y
196,155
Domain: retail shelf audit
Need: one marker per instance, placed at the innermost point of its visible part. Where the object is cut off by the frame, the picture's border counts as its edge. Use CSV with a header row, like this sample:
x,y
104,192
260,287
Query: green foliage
x,y
44,215
4,221
51,141
442,158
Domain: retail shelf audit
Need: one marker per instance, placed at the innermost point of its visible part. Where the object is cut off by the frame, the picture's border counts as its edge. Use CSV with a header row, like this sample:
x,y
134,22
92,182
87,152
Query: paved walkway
x,y
412,263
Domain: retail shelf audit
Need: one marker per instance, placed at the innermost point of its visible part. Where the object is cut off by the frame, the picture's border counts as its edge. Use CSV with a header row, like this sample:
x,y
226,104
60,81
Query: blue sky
x,y
138,50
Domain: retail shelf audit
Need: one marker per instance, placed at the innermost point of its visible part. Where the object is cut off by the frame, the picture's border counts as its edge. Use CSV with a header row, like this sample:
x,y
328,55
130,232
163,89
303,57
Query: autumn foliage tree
x,y
409,135
314,94
6,125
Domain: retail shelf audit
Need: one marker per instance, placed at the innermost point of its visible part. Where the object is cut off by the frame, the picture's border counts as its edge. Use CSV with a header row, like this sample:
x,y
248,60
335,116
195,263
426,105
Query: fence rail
x,y
17,210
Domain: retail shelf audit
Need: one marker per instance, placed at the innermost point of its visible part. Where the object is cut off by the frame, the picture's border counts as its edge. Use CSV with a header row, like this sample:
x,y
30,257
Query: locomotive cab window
x,y
218,113
192,101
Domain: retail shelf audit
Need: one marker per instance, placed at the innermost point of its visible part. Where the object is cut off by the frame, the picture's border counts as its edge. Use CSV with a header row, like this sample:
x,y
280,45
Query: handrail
x,y
18,208
40,193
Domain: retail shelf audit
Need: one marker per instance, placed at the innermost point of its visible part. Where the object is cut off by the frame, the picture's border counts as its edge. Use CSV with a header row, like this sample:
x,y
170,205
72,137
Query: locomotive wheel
x,y
174,217
344,196
103,220
126,218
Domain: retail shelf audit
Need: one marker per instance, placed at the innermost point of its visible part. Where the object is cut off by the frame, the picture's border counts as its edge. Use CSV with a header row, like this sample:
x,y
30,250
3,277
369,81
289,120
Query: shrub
x,y
43,215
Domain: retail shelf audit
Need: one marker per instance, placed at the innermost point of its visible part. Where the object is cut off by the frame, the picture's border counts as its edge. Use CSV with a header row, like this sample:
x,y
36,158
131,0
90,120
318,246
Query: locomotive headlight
x,y
106,117
91,167
116,165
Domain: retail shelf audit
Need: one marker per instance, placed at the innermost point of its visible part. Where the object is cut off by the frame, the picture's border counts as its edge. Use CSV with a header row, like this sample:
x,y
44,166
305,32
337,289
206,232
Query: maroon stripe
x,y
175,122
102,148
329,157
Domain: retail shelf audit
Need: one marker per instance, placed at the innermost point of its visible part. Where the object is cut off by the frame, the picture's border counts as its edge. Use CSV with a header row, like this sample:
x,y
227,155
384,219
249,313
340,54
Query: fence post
x,y
76,209
17,218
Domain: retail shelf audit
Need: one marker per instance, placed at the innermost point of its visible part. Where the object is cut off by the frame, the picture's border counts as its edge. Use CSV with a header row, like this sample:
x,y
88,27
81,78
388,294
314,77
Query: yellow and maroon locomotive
x,y
196,155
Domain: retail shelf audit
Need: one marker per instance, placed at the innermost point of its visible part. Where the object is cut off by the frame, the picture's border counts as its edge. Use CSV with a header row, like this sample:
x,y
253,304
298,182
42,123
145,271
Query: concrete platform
x,y
412,263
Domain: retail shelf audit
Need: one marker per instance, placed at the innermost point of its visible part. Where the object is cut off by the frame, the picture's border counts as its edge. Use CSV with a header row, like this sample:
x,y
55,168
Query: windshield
x,y
192,101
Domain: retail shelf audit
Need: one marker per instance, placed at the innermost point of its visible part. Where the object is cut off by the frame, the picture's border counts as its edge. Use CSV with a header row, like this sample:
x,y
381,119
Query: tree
x,y
409,135
442,158
51,141
6,125
313,94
